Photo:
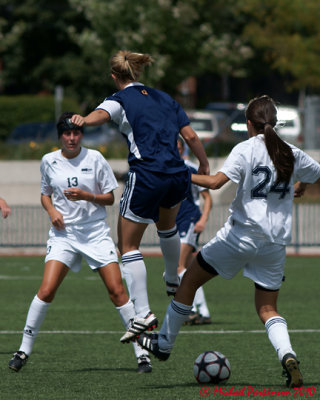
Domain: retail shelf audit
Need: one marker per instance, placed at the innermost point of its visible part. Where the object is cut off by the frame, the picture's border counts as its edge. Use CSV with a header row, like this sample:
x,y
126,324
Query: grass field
x,y
78,356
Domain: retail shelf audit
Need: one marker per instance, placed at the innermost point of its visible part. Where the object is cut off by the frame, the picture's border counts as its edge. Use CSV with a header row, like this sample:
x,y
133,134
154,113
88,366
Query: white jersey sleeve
x,y
306,169
260,204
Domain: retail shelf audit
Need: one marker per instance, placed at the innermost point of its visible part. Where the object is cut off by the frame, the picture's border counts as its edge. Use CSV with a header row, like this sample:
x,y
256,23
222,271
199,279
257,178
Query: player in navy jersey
x,y
255,235
76,186
158,180
191,222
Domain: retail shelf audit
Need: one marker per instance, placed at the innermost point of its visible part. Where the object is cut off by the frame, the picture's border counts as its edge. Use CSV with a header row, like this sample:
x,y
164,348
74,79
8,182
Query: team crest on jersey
x,y
143,91
86,170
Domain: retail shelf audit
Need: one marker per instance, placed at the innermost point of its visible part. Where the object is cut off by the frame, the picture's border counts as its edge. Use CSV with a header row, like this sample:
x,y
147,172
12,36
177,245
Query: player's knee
x,y
265,312
46,294
118,295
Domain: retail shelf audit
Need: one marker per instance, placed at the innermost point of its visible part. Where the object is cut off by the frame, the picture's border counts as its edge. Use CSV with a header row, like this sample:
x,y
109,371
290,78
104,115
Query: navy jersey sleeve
x,y
182,117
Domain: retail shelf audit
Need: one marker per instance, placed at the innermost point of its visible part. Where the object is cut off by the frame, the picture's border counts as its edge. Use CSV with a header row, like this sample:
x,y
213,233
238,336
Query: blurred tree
x,y
36,52
288,31
45,43
185,37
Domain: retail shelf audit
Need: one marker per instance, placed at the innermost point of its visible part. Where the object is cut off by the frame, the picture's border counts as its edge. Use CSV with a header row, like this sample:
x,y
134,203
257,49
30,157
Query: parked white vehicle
x,y
289,124
204,123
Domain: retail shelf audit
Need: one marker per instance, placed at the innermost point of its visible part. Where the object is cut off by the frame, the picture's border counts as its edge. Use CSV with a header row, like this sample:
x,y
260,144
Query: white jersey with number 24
x,y
261,205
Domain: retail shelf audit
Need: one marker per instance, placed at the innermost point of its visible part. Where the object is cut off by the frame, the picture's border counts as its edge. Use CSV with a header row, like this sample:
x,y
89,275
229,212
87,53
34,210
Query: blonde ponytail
x,y
128,66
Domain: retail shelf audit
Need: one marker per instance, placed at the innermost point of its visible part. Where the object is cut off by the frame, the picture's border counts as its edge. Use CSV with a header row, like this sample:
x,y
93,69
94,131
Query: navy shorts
x,y
145,192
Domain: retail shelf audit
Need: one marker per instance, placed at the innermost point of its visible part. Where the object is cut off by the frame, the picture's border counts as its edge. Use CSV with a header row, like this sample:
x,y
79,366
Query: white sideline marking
x,y
181,332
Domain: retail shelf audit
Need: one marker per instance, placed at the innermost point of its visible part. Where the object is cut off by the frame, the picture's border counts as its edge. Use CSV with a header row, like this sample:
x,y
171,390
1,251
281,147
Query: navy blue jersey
x,y
189,211
150,120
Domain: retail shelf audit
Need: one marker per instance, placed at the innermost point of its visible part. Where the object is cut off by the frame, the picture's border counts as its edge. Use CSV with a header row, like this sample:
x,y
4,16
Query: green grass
x,y
89,364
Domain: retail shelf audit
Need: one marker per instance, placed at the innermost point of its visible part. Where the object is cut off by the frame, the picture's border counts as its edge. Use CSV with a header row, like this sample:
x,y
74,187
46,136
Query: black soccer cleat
x,y
18,360
139,325
291,371
150,342
144,364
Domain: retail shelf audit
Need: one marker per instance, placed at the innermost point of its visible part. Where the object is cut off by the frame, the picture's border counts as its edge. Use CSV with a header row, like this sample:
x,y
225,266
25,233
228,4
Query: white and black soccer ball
x,y
211,367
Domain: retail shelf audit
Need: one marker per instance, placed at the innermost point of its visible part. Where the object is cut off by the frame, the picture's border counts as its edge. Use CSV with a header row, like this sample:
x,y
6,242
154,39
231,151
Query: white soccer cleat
x,y
139,325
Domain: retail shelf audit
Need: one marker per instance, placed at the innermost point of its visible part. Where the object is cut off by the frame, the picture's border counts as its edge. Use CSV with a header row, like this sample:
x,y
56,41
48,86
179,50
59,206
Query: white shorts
x,y
234,248
91,241
190,237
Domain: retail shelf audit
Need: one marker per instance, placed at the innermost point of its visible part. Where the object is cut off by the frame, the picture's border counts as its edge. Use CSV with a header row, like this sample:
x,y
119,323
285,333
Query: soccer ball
x,y
211,367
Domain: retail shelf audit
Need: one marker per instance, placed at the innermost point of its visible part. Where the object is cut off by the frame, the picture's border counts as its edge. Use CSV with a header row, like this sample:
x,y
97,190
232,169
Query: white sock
x,y
170,247
181,274
177,313
127,312
135,274
139,351
200,303
277,331
37,312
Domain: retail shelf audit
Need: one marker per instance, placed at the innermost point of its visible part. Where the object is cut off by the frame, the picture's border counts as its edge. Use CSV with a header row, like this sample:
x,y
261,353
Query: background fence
x,y
28,226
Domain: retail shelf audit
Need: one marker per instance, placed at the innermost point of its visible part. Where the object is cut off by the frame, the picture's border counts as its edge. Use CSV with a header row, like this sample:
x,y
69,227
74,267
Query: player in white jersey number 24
x,y
269,173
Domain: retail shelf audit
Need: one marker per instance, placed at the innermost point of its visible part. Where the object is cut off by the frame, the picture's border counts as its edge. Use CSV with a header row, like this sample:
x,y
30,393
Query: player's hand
x,y
56,219
5,211
78,120
299,189
199,227
204,169
75,194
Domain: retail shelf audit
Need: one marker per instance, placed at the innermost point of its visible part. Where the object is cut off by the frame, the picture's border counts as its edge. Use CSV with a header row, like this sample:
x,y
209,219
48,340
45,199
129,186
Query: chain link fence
x,y
28,226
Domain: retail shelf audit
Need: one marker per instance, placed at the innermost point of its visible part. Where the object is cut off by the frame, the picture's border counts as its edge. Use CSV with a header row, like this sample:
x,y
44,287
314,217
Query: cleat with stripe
x,y
291,371
139,325
150,342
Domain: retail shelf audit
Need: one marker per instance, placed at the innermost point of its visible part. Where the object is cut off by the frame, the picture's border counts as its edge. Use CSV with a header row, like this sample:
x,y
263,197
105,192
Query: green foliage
x,y
45,43
16,110
35,45
288,31
78,356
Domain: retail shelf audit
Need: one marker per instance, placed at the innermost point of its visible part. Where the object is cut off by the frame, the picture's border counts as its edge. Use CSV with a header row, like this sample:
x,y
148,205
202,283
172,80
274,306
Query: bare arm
x,y
300,187
207,205
212,181
55,216
95,118
5,209
192,140
75,194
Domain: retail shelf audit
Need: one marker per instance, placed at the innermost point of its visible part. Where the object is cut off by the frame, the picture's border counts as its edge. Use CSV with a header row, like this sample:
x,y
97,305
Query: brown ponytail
x,y
262,113
128,66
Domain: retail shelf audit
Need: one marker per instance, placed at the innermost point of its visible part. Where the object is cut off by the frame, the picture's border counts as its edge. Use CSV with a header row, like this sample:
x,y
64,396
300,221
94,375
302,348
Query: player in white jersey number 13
x,y
255,235
76,185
